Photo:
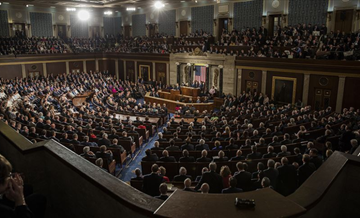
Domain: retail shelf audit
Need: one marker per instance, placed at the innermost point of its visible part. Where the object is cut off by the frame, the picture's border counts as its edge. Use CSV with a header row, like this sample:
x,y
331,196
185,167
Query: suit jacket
x,y
254,155
152,157
283,154
203,159
272,174
214,180
317,161
167,159
305,171
231,190
172,148
243,180
287,180
104,142
237,158
189,147
285,142
201,147
151,183
269,155
104,156
186,159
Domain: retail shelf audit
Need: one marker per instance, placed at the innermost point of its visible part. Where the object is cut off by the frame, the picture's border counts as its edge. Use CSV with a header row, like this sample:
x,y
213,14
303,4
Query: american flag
x,y
200,73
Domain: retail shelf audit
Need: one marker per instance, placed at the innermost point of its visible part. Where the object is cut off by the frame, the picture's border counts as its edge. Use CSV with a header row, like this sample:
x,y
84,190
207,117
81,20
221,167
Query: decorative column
x,y
167,73
136,71
192,73
125,78
221,80
23,71
239,70
178,73
340,94
263,82
67,67
117,68
207,82
84,66
153,71
96,65
189,73
305,96
44,69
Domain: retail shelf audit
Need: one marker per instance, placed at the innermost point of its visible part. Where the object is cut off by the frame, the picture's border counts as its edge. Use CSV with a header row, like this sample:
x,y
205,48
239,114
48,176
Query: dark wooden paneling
x,y
56,68
333,82
130,70
10,71
76,65
351,99
121,70
299,82
90,66
245,76
160,68
107,65
146,64
34,68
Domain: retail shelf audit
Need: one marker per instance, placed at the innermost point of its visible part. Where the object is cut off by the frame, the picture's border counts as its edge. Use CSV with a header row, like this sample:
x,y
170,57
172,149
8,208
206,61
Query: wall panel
x,y
130,70
56,68
34,68
41,24
76,65
121,70
308,11
251,76
107,65
248,14
160,68
138,25
4,24
317,82
167,22
90,66
202,19
10,71
351,99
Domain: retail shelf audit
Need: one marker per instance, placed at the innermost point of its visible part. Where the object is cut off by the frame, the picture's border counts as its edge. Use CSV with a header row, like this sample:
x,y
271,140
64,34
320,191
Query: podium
x,y
190,91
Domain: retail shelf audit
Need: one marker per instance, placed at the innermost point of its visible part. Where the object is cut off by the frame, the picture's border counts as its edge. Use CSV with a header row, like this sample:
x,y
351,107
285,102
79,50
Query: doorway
x,y
223,25
19,29
152,30
344,20
95,32
61,31
252,86
183,28
127,31
274,22
322,99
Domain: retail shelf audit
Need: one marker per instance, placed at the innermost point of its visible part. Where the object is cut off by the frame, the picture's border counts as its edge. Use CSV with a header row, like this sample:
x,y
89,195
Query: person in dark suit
x,y
186,157
64,138
275,141
287,180
166,158
86,142
104,140
152,181
254,154
202,146
203,157
163,192
243,177
305,170
172,146
238,156
260,168
188,146
75,140
115,145
104,154
187,185
212,178
150,156
314,158
231,145
222,157
283,152
345,139
87,153
354,145
138,176
286,139
271,173
182,175
299,156
232,188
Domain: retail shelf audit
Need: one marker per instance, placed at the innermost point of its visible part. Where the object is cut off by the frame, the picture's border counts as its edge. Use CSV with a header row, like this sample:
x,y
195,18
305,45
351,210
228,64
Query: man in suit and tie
x,y
166,158
104,140
86,142
283,152
202,146
152,181
287,179
271,172
203,157
182,175
172,146
238,156
212,178
104,154
150,156
254,154
305,170
243,177
232,188
186,157
286,139
270,153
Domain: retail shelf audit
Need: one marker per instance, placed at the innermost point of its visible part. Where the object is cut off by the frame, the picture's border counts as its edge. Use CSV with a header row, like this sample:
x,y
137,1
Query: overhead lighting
x,y
131,9
83,15
108,12
29,6
6,3
70,9
159,5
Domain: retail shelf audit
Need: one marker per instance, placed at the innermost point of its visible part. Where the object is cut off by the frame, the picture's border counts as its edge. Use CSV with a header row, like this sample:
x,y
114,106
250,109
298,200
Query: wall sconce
x,y
329,15
215,22
177,24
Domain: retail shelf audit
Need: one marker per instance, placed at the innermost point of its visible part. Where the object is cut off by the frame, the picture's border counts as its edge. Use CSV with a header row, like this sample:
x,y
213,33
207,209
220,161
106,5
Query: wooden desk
x,y
269,204
171,104
80,99
194,92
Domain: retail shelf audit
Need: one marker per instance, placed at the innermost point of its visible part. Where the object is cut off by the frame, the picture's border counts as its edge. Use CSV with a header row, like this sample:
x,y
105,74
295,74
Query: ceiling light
x,y
70,9
131,9
83,15
159,5
108,12
6,3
